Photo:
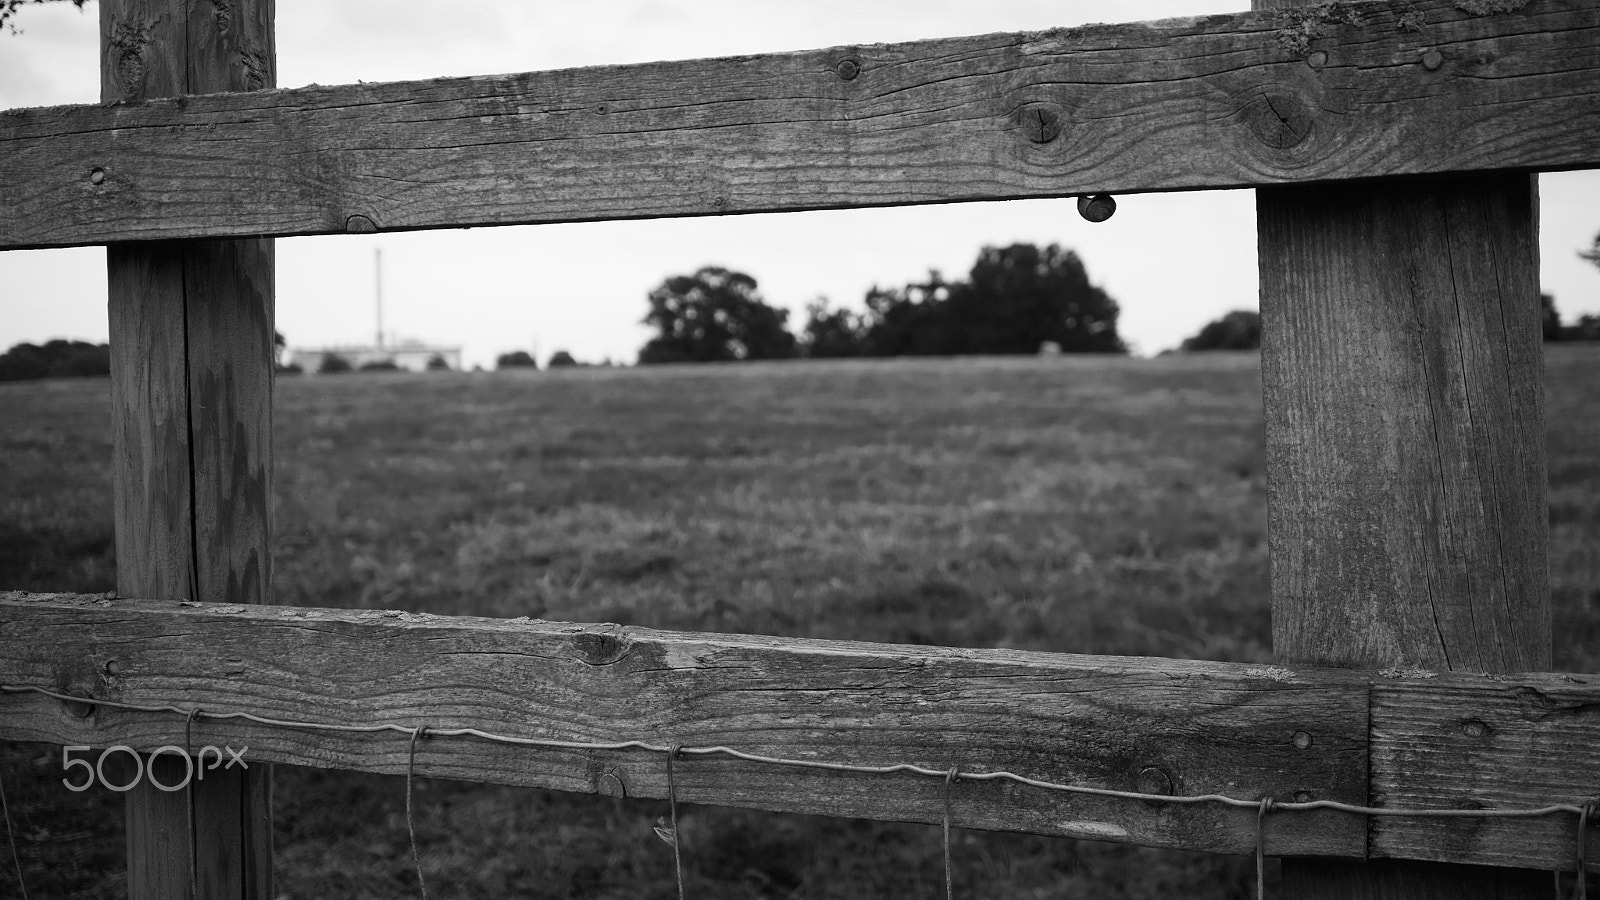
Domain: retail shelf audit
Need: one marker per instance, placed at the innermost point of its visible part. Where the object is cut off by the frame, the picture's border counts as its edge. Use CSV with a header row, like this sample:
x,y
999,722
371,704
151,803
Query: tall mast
x,y
377,266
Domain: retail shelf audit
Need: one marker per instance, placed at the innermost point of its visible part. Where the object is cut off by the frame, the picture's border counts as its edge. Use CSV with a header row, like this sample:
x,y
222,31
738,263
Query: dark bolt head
x,y
1317,59
1153,780
1302,740
97,175
612,785
1432,59
1097,208
848,69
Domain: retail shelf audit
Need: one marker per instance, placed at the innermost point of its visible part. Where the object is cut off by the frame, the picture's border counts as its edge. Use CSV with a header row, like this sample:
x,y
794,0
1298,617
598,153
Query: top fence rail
x,y
1339,91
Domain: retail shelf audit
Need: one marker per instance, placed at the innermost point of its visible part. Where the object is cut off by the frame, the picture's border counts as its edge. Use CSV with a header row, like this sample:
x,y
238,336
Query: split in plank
x,y
1175,727
1339,91
1131,724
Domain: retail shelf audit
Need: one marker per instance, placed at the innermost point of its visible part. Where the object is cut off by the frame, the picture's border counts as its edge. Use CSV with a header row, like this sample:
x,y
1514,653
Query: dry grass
x,y
1086,505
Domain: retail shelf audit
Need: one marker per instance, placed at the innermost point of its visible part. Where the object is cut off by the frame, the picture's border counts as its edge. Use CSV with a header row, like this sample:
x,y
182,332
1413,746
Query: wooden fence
x,y
1404,413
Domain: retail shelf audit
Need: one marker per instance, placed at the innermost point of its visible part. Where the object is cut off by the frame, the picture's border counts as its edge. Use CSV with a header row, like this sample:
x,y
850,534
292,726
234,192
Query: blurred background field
x,y
1080,504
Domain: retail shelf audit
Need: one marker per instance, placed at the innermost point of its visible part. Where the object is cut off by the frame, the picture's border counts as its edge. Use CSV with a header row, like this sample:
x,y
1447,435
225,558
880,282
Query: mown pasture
x,y
1092,505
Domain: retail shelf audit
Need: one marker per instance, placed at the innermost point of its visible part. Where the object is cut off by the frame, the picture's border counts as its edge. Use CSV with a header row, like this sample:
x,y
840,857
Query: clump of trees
x,y
279,346
333,364
516,359
1237,330
714,315
55,359
1587,326
1014,300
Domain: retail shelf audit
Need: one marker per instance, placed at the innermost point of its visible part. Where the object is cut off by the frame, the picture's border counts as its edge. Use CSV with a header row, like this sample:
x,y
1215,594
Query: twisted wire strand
x,y
949,881
188,798
11,835
1265,807
1581,890
411,768
720,750
672,800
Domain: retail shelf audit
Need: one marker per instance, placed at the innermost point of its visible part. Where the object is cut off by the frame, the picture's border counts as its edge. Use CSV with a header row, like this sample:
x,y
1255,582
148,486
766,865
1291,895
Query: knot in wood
x,y
79,710
130,69
1279,120
599,648
1041,122
255,67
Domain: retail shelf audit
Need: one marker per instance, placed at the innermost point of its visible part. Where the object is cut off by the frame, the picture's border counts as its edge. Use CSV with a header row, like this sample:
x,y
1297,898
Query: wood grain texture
x,y
228,289
153,490
1405,425
1482,740
1405,449
1222,101
192,354
1158,726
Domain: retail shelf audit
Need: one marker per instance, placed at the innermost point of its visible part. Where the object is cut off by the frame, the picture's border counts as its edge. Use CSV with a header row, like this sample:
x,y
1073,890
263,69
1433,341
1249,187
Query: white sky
x,y
1174,261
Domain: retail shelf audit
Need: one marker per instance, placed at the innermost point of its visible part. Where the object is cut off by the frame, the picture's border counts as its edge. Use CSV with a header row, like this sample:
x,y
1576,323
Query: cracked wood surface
x,y
1149,725
1407,521
1486,741
1222,101
1155,726
191,326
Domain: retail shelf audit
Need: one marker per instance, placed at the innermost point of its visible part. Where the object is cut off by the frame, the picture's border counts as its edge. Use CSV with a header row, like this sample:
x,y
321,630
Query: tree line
x,y
1585,328
1015,299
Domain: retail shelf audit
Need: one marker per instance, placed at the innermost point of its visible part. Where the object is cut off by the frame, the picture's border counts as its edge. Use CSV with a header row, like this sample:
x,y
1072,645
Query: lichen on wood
x,y
1302,26
1489,7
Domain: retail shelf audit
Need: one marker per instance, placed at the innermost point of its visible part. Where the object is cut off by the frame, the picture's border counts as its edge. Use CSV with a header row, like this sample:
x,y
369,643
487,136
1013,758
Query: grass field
x,y
1089,505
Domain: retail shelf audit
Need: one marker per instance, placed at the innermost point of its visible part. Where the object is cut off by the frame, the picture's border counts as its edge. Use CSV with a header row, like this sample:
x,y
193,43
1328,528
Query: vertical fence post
x,y
1402,375
191,358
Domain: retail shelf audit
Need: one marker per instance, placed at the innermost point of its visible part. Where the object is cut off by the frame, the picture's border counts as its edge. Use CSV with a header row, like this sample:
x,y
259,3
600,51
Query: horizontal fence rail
x,y
1339,91
793,725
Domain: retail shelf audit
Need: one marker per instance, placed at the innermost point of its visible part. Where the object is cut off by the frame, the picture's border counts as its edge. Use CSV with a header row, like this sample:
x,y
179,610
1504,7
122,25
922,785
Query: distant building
x,y
412,356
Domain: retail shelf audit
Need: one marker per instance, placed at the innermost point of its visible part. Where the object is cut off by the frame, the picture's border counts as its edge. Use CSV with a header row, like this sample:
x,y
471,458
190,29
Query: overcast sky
x,y
1174,261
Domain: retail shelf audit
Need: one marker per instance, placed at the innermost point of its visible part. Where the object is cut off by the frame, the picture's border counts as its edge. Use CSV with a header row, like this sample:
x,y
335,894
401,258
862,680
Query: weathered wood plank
x,y
1156,726
1342,91
1405,422
1495,741
1405,451
192,356
1405,464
